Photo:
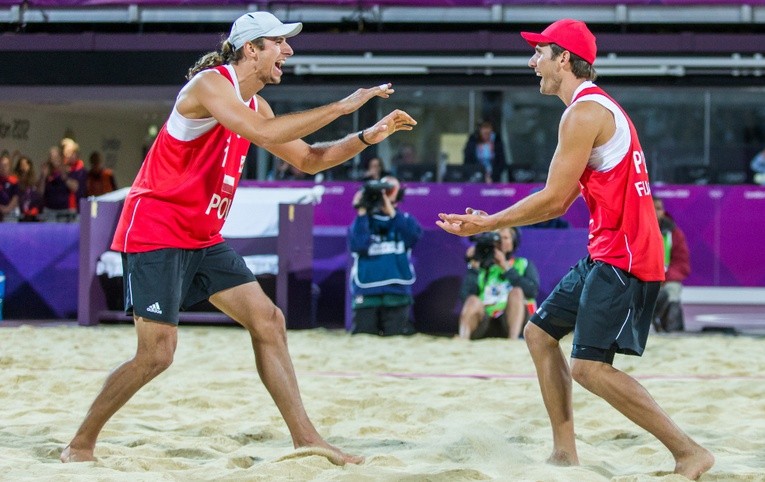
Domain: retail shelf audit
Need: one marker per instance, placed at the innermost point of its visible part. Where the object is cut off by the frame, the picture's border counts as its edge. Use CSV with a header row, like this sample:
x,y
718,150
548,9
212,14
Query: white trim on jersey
x,y
185,129
609,155
130,226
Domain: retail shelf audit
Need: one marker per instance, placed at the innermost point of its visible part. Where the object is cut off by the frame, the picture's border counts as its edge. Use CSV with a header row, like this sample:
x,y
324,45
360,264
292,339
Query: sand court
x,y
418,408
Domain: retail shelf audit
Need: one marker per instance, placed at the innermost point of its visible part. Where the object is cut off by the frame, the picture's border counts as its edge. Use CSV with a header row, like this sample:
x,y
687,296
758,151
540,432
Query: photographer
x,y
668,315
499,291
381,240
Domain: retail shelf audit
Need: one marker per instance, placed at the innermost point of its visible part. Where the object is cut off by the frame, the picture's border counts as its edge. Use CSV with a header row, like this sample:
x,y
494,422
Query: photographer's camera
x,y
372,195
485,244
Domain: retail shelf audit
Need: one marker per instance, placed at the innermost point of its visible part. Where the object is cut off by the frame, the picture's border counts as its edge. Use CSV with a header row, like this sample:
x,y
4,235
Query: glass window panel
x,y
689,134
670,123
288,100
737,130
531,131
437,111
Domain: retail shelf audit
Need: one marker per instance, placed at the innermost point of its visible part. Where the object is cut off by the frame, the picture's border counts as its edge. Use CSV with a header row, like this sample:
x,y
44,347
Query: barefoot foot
x,y
77,455
333,454
695,463
562,458
338,457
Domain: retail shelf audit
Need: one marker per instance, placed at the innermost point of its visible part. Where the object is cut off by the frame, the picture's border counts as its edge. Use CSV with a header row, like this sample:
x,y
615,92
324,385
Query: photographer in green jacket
x,y
499,290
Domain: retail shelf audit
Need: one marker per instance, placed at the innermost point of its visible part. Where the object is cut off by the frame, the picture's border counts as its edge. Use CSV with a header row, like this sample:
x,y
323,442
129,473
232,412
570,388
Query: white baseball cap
x,y
260,24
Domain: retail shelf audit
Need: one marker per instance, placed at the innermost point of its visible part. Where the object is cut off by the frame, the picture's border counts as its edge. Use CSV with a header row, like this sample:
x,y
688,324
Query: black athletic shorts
x,y
608,309
159,284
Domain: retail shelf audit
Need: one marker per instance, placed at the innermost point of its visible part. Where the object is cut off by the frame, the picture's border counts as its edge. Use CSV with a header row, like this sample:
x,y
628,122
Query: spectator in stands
x,y
758,168
484,147
381,239
499,290
284,171
15,155
407,166
70,151
374,170
100,180
9,189
169,230
57,188
406,155
677,266
30,200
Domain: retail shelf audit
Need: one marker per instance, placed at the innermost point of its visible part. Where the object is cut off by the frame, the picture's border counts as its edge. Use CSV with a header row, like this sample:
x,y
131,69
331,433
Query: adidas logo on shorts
x,y
154,308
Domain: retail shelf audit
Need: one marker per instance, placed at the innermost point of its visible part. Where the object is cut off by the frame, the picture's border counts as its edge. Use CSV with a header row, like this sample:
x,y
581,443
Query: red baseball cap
x,y
572,35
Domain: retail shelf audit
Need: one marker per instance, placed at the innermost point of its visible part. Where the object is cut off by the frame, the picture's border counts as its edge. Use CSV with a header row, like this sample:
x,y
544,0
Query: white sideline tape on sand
x,y
521,376
476,376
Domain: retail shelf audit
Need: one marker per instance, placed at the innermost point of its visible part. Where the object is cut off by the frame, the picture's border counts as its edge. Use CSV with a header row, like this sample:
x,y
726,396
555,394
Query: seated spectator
x,y
499,290
677,265
70,151
406,155
758,168
30,200
485,148
57,188
9,191
100,180
283,171
381,239
374,170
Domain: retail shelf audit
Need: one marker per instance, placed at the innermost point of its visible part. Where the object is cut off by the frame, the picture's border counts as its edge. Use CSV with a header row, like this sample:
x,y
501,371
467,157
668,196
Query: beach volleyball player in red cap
x,y
608,298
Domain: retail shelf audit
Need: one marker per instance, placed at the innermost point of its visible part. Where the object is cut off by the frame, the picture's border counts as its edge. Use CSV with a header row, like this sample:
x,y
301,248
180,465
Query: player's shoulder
x,y
586,111
207,76
207,84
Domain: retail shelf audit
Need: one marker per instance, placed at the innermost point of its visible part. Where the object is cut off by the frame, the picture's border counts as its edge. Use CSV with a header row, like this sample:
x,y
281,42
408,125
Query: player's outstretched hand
x,y
474,221
398,120
353,102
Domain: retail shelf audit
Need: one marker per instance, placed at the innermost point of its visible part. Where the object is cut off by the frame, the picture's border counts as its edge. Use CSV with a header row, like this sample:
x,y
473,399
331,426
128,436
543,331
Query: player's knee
x,y
156,354
272,325
163,360
155,361
537,338
584,371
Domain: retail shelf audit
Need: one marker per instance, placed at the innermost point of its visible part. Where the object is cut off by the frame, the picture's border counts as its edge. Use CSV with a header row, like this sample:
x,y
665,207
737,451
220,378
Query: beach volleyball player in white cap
x,y
169,230
607,300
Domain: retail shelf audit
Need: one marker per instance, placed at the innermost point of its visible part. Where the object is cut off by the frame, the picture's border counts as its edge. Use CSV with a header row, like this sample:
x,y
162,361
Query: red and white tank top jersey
x,y
624,231
183,191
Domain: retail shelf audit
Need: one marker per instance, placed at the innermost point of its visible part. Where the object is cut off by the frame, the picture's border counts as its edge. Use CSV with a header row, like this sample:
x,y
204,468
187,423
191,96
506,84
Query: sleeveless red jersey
x,y
183,191
624,231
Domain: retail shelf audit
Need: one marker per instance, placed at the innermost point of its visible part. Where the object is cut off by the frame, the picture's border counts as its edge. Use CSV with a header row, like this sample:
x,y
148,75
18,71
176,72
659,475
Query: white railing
x,y
620,14
488,64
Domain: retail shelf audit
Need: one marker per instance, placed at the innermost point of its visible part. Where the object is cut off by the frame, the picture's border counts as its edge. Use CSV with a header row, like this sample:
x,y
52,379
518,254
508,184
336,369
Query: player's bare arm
x,y
209,94
581,127
323,155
